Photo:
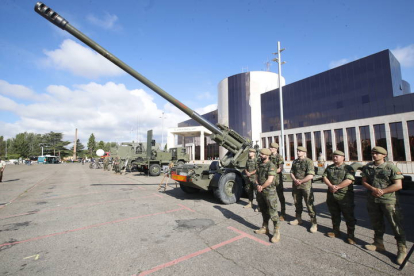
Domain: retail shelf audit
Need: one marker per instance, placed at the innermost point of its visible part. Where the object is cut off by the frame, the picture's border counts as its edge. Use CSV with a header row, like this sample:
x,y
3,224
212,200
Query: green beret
x,y
302,149
338,152
274,145
252,150
265,151
379,150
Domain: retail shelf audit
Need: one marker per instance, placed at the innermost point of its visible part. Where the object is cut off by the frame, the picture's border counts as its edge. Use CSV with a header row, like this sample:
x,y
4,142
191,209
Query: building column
x,y
406,141
201,145
389,140
287,154
315,154
372,136
323,145
295,146
346,148
358,140
333,137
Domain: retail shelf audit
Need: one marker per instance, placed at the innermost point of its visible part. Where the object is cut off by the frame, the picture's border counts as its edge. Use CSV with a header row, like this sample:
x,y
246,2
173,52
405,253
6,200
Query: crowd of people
x,y
382,179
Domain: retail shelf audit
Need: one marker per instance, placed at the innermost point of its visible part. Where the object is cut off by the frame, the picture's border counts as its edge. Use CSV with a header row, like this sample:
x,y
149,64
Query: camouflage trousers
x,y
392,212
280,195
267,201
307,196
345,206
106,167
249,188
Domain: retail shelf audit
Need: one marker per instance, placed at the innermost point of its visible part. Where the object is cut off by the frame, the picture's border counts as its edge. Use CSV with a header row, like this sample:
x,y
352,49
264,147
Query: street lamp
x,y
162,131
279,61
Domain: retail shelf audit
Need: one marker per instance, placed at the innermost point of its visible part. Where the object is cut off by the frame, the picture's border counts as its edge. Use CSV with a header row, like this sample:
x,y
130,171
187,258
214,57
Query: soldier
x,y
339,178
116,165
250,176
277,159
302,173
106,163
266,195
2,167
382,179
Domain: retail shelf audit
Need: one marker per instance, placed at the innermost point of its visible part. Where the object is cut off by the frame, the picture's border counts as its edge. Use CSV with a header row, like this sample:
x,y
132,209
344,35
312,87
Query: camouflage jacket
x,y
251,165
381,177
302,168
277,160
338,174
265,170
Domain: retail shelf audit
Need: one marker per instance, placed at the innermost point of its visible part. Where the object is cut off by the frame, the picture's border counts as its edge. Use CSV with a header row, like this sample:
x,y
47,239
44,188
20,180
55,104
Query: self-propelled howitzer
x,y
226,180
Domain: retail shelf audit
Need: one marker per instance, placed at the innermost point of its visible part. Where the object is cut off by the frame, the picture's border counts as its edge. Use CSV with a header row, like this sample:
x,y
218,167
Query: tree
x,y
107,147
21,145
91,144
80,149
55,143
101,145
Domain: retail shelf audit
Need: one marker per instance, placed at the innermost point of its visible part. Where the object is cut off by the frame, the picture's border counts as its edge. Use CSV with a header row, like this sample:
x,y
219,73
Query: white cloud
x,y
108,22
81,61
337,63
205,96
15,90
405,55
206,109
110,111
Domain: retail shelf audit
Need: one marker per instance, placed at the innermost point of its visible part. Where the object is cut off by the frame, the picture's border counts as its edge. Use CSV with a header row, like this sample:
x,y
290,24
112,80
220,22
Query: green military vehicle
x,y
139,157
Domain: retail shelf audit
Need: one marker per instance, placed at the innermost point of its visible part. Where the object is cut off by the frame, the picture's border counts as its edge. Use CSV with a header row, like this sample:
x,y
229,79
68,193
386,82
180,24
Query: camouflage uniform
x,y
267,199
116,166
300,169
250,186
278,160
387,205
342,201
106,163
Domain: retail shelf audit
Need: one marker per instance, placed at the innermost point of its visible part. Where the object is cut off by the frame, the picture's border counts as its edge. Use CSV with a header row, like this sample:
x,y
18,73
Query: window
x,y
410,126
365,143
328,144
299,139
339,137
291,147
308,143
397,141
318,142
380,139
263,142
352,143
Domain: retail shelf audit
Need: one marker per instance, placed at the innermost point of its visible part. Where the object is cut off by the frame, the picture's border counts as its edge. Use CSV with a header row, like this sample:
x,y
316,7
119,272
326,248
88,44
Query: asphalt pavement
x,y
68,219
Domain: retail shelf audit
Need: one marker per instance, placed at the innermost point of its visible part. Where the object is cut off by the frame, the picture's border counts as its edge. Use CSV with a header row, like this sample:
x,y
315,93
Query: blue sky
x,y
50,81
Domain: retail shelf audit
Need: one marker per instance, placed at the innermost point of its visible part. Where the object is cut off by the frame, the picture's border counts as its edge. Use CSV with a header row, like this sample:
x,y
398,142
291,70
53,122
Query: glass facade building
x,y
368,87
351,108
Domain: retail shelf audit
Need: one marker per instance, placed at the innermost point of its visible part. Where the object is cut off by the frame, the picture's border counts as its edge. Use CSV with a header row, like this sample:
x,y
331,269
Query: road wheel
x,y
230,188
189,190
180,163
155,170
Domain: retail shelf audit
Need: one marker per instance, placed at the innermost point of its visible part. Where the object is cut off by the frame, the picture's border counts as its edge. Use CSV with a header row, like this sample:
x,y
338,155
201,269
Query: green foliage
x,y
101,145
92,145
107,147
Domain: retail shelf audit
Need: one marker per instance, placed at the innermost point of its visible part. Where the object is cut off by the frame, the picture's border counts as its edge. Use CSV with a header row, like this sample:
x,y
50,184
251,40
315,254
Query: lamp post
x,y
282,136
162,131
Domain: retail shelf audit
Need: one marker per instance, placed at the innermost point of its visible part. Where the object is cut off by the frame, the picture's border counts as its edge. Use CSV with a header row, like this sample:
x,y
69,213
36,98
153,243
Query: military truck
x,y
224,177
136,156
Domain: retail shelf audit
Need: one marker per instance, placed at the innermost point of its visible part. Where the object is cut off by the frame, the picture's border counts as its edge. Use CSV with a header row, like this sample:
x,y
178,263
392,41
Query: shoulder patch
x,y
398,172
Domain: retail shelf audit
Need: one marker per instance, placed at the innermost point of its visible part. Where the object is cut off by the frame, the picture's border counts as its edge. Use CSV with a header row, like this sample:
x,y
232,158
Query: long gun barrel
x,y
233,143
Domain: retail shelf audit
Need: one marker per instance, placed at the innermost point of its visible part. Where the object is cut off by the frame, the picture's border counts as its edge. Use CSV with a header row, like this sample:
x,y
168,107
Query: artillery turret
x,y
225,178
